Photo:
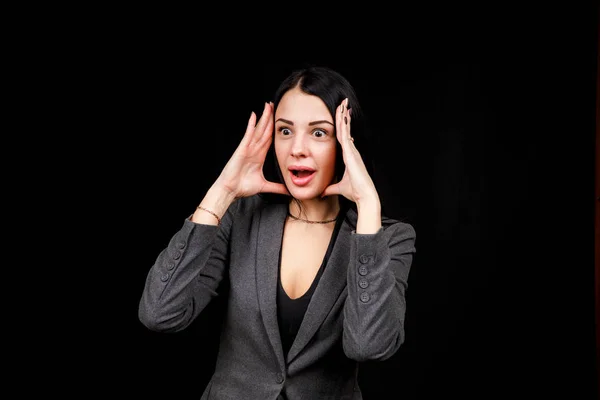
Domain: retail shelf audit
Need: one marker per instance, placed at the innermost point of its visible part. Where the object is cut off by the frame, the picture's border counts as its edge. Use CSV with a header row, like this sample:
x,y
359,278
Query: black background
x,y
484,118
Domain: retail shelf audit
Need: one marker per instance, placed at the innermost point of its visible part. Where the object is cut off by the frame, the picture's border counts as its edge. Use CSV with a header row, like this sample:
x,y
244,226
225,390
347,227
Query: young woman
x,y
315,275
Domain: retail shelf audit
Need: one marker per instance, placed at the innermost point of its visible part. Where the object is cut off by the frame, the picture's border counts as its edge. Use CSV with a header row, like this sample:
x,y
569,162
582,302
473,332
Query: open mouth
x,y
301,175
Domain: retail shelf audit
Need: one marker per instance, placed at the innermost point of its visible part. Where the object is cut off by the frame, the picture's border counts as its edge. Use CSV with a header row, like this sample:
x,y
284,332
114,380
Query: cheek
x,y
328,160
279,152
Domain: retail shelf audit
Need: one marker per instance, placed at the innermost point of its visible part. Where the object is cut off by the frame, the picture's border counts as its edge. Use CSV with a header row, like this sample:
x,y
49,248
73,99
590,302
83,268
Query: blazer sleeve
x,y
377,280
186,274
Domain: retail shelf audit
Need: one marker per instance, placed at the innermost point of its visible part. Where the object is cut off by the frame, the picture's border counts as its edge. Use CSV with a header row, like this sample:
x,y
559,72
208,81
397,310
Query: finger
x,y
267,135
343,134
272,187
262,147
250,126
348,144
346,120
338,122
262,123
343,120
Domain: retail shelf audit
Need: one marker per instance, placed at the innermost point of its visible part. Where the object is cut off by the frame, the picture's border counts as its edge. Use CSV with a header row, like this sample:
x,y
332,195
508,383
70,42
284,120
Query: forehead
x,y
297,106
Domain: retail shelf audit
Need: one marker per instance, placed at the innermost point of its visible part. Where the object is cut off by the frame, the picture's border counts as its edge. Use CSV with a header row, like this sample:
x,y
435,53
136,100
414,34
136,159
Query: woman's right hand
x,y
243,174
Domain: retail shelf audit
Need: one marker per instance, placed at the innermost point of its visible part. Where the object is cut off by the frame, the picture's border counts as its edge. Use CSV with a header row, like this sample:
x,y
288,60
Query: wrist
x,y
220,195
369,216
369,204
213,206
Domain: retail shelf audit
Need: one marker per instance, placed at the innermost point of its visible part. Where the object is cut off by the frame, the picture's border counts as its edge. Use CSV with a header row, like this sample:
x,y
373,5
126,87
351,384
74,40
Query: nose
x,y
299,146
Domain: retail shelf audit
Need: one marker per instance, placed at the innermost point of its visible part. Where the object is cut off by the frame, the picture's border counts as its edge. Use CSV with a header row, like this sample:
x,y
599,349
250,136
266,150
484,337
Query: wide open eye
x,y
320,133
285,131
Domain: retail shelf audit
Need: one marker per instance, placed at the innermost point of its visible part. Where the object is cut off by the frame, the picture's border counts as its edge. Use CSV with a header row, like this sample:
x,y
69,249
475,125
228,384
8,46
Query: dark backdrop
x,y
485,143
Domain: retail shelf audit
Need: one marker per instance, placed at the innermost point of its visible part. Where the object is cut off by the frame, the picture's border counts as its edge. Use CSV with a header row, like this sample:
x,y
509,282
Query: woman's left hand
x,y
356,184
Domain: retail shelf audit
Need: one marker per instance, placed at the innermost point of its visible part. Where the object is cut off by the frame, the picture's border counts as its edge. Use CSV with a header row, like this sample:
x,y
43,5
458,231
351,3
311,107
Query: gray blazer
x,y
356,312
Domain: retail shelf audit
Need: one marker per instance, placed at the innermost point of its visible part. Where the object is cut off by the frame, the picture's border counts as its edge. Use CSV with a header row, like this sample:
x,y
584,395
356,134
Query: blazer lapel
x,y
270,234
331,285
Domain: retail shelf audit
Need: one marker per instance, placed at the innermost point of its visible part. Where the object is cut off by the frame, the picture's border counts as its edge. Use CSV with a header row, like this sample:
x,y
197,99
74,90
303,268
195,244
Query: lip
x,y
301,181
300,168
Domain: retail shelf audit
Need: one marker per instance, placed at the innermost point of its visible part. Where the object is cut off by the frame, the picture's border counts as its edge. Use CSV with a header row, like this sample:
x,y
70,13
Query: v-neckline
x,y
319,273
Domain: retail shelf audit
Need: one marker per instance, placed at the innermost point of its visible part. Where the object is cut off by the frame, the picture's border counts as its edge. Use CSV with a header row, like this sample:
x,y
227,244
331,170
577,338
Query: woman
x,y
315,276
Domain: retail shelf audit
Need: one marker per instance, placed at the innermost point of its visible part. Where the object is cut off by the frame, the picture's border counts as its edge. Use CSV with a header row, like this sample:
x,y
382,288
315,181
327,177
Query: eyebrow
x,y
310,123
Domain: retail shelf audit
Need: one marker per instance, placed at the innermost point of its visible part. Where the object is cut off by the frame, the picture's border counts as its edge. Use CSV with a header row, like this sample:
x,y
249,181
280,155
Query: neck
x,y
316,209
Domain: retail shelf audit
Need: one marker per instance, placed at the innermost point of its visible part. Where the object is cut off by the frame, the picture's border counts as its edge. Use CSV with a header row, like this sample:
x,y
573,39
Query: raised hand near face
x,y
243,174
356,184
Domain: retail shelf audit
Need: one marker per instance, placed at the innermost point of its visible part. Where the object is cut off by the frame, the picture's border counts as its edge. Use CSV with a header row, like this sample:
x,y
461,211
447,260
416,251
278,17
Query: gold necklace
x,y
312,222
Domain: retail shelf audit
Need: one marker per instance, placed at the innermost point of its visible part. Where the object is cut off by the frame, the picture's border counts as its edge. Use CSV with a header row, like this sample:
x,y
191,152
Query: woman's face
x,y
305,144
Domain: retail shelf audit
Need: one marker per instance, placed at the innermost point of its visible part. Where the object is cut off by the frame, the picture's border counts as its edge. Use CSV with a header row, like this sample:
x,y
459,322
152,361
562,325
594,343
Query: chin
x,y
304,193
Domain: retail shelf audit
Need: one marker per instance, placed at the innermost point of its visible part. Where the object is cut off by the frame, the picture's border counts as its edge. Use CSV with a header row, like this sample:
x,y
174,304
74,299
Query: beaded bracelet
x,y
208,211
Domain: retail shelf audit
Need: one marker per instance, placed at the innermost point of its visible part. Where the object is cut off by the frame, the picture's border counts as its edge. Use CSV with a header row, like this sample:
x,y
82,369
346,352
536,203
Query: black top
x,y
290,312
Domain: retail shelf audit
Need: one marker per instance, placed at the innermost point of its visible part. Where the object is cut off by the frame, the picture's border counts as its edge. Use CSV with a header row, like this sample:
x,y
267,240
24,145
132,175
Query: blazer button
x,y
181,244
279,378
363,259
363,283
363,270
364,297
165,277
